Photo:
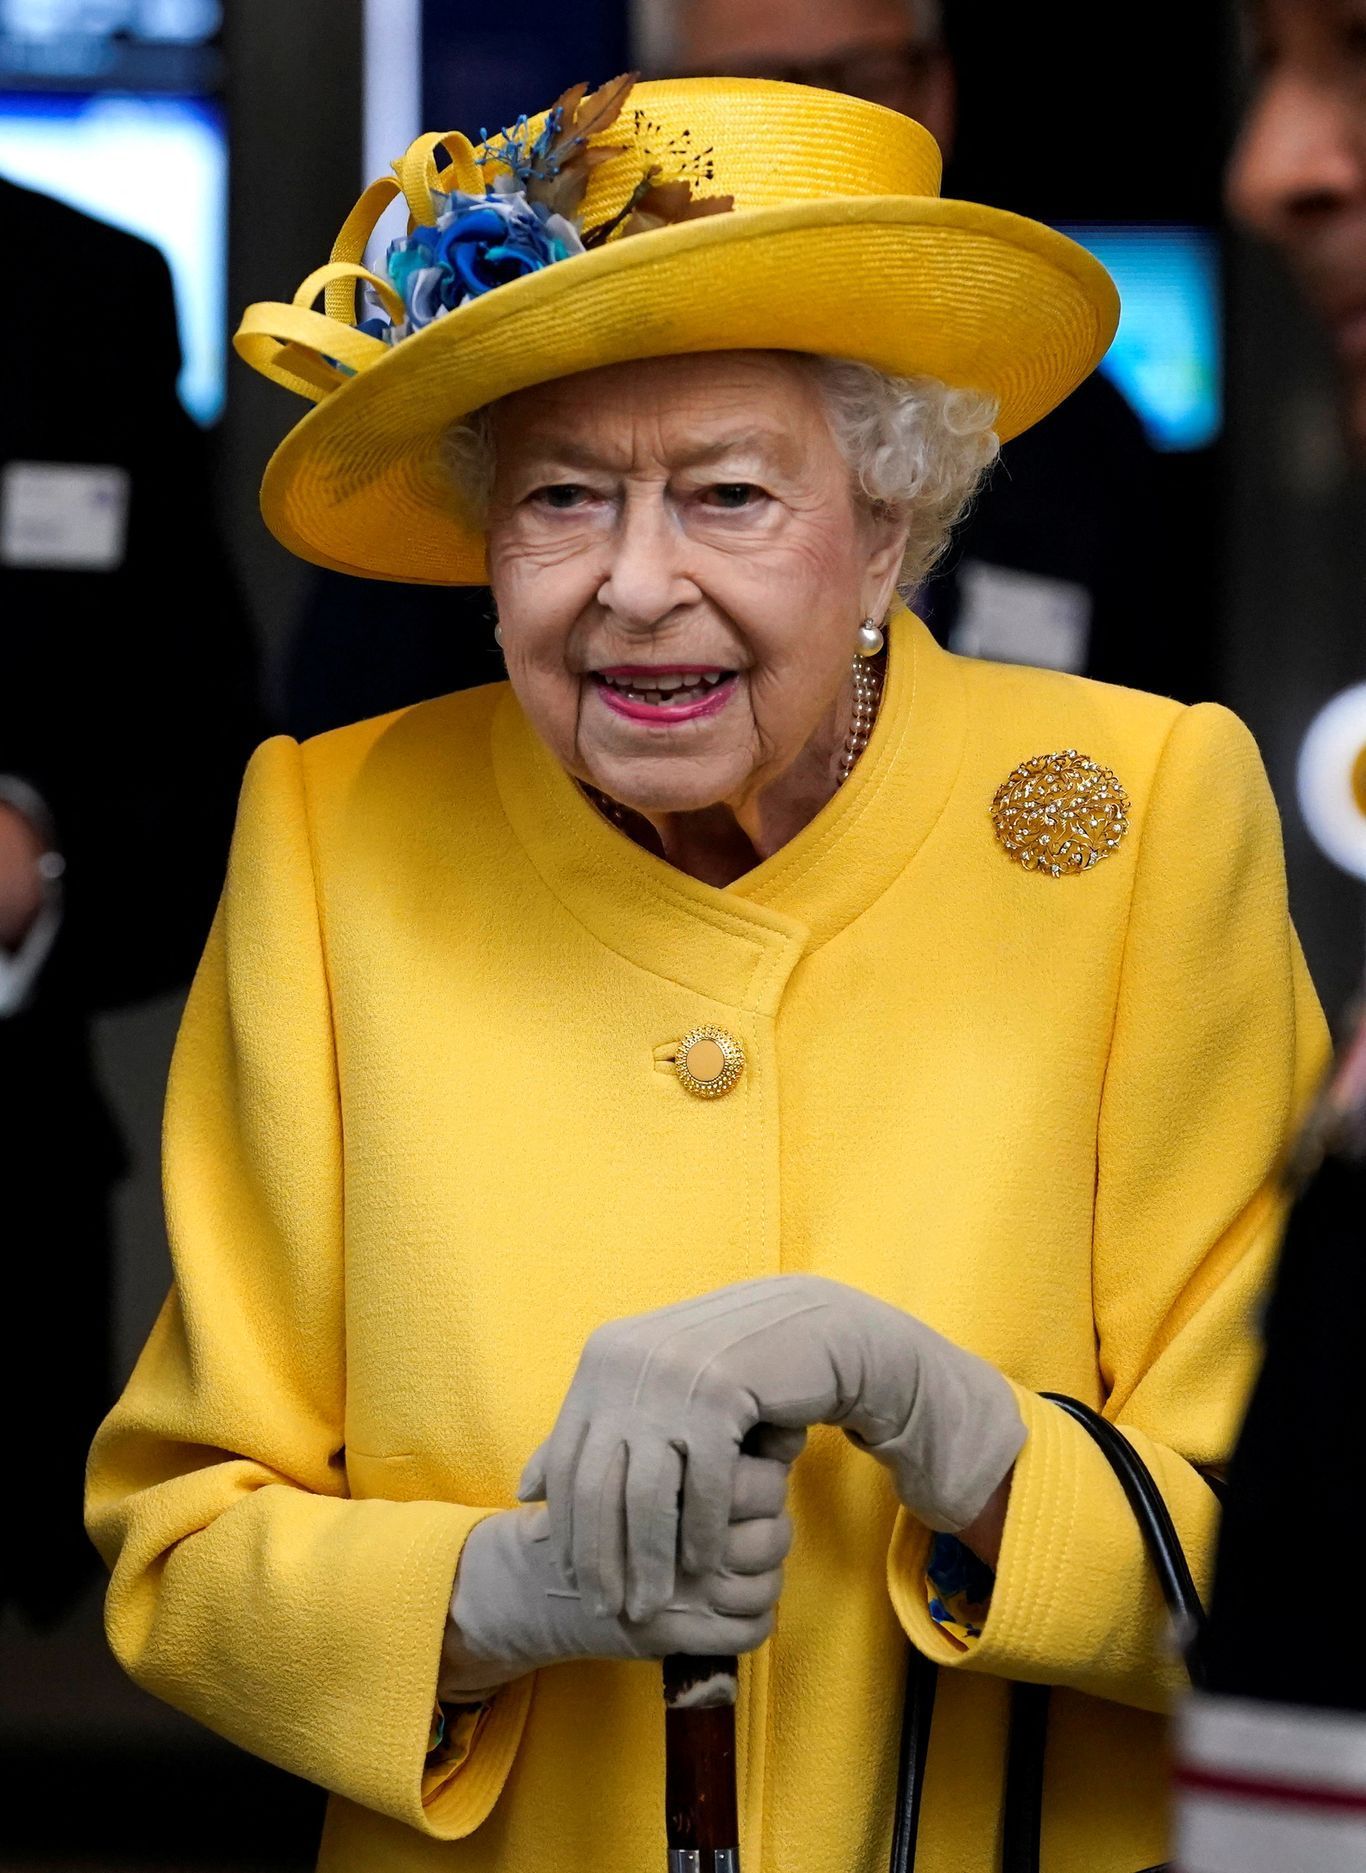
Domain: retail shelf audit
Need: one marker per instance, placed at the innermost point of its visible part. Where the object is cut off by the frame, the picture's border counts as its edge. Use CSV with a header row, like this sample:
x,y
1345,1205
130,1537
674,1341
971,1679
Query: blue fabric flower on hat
x,y
529,216
478,242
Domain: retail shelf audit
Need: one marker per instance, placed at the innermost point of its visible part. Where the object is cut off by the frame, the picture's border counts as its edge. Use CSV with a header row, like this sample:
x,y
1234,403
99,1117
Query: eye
x,y
733,495
560,496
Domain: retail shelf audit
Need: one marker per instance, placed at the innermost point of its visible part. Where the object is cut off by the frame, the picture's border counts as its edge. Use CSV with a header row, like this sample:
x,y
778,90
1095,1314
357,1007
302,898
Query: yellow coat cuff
x,y
1076,1601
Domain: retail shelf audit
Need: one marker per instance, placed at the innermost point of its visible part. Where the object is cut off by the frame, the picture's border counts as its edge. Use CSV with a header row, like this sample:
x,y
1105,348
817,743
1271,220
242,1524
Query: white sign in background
x,y
63,516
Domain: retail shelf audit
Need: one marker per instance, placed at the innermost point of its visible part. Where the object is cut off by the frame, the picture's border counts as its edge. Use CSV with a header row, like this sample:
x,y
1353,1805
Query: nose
x,y
1300,157
646,580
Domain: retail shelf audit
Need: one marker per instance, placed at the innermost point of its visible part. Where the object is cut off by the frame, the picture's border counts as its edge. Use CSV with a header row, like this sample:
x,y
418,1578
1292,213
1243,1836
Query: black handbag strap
x,y
916,1712
1022,1804
1155,1525
1022,1814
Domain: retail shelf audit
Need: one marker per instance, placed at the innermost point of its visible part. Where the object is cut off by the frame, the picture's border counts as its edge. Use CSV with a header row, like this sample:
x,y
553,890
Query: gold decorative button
x,y
1060,813
709,1062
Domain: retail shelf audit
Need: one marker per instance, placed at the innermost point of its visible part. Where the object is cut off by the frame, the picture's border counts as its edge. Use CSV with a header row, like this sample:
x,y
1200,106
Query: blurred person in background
x,y
1272,1772
363,647
1054,564
1298,174
128,706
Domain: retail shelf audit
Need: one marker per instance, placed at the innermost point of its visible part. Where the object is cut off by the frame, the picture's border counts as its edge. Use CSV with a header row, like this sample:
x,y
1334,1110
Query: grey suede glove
x,y
637,1472
511,1611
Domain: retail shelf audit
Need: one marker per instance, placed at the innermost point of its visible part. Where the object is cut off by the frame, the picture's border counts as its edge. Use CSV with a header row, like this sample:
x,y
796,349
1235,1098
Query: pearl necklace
x,y
869,674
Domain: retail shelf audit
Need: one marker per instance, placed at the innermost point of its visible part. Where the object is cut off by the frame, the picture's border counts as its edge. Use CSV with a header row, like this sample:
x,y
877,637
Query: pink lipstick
x,y
662,694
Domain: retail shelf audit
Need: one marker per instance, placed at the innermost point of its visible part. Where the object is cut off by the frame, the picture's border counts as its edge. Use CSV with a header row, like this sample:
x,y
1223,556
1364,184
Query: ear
x,y
887,539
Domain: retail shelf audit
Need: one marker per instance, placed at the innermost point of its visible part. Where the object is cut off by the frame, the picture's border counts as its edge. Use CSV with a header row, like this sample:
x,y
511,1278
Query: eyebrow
x,y
573,454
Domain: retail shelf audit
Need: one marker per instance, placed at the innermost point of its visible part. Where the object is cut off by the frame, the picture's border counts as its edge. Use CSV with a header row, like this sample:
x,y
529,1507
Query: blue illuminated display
x,y
157,166
178,22
1167,356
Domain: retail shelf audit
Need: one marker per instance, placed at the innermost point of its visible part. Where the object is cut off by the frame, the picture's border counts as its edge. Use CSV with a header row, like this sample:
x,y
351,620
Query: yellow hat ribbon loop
x,y
305,351
260,341
313,353
351,242
419,176
344,274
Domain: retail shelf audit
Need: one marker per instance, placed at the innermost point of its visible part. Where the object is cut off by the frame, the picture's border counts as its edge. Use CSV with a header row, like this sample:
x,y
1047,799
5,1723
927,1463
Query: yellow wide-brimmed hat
x,y
687,215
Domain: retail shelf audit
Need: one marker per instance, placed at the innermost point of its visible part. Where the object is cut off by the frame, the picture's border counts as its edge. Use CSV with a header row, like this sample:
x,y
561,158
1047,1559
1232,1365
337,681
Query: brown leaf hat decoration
x,y
556,168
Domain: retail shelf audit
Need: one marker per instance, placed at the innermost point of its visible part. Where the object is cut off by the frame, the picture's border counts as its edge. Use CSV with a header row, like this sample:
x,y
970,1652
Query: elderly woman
x,y
748,1021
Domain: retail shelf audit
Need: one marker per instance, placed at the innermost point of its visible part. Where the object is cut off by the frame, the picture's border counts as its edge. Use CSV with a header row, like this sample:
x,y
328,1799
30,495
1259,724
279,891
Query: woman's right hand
x,y
511,1611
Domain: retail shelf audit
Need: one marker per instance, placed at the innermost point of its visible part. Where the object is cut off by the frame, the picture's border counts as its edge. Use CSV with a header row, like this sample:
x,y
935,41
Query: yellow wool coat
x,y
423,1135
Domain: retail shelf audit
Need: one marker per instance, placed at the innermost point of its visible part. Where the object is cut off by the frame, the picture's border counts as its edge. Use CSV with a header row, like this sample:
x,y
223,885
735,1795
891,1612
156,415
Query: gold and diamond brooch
x,y
1060,813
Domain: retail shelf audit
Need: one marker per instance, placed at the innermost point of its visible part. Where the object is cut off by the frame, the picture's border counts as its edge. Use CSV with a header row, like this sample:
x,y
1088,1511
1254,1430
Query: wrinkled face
x,y
680,568
1298,176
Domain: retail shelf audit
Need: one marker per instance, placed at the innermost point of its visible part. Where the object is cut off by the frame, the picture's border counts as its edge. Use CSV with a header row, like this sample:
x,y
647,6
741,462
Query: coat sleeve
x,y
1217,1046
247,1588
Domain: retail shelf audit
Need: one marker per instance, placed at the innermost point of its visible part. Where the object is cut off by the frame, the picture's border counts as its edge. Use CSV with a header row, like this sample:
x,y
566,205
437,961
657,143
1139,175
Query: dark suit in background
x,y
128,700
1062,559
366,646
1287,1553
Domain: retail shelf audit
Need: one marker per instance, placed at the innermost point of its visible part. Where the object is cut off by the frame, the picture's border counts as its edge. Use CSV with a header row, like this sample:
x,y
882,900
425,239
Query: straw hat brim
x,y
972,295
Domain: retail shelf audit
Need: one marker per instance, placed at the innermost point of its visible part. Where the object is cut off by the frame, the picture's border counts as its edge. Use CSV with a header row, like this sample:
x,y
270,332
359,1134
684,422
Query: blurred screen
x,y
1167,355
162,41
156,165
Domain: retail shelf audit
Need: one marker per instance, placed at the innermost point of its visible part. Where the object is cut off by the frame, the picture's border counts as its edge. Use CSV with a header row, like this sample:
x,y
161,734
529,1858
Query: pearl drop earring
x,y
870,638
498,635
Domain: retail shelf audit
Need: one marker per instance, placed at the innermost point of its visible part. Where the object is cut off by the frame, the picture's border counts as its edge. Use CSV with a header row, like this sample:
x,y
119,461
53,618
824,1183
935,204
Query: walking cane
x,y
700,1819
699,1764
700,1816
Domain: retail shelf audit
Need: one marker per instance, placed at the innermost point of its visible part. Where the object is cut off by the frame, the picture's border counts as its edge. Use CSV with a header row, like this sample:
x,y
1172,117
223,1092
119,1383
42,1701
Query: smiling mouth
x,y
661,695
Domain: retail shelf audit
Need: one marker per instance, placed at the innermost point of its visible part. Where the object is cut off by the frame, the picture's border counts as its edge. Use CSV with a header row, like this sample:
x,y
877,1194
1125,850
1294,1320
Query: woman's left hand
x,y
638,1471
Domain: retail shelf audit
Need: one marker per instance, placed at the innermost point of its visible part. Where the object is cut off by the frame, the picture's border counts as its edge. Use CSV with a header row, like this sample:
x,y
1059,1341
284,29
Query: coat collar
x,y
739,944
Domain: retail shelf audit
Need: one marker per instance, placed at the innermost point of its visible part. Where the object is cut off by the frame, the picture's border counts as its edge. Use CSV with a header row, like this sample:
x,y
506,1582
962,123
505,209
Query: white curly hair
x,y
918,451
